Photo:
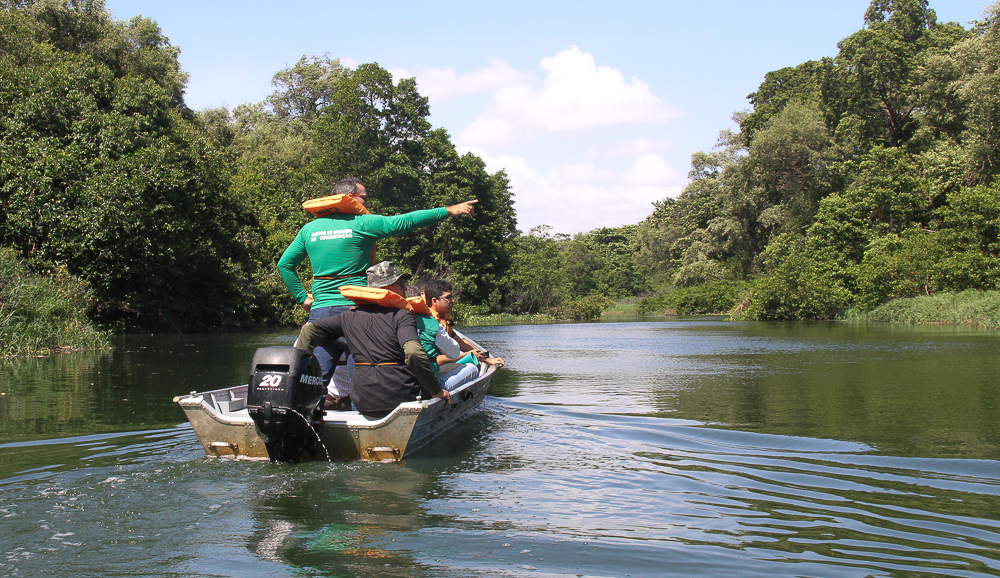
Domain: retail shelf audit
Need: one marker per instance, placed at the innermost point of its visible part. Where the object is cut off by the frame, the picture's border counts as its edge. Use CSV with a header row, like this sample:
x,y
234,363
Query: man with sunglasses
x,y
339,247
440,297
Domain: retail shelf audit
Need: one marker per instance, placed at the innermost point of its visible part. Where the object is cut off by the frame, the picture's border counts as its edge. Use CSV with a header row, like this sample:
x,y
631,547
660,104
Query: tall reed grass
x,y
43,311
970,307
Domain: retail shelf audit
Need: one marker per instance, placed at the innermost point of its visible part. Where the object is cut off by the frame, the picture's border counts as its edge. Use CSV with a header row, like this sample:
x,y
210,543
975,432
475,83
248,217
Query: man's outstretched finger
x,y
463,208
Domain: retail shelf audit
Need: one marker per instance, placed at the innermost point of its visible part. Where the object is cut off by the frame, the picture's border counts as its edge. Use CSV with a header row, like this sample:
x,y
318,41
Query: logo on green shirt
x,y
327,235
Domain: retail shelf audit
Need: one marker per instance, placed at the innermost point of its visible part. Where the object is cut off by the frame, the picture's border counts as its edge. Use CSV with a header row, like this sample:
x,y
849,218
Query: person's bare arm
x,y
468,347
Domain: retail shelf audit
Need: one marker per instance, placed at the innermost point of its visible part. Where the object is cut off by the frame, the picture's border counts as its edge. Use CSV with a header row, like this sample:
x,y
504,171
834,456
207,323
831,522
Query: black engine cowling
x,y
284,397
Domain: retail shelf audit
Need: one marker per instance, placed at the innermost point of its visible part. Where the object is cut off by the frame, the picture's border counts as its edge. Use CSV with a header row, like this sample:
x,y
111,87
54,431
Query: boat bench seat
x,y
230,402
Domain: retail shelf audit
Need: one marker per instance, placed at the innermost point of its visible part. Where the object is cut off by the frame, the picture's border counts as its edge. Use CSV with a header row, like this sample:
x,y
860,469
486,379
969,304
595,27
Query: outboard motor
x,y
284,397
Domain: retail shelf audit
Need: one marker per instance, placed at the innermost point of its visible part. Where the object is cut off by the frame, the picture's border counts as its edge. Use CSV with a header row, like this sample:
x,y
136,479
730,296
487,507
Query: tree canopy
x,y
855,179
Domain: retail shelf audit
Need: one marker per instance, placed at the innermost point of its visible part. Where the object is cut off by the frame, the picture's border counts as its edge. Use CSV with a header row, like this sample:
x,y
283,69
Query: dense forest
x,y
851,181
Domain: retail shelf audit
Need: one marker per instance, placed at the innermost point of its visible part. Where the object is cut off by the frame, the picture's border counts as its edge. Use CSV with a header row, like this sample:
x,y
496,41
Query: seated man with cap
x,y
391,367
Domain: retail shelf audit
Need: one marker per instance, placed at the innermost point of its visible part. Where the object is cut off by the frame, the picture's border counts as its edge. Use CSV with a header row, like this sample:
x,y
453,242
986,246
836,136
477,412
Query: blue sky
x,y
593,108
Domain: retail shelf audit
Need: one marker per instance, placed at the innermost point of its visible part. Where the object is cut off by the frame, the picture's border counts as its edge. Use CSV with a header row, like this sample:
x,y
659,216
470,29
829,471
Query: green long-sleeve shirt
x,y
341,244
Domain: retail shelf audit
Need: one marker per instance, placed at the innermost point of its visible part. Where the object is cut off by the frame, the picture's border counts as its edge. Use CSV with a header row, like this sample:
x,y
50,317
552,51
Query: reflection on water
x,y
128,388
678,447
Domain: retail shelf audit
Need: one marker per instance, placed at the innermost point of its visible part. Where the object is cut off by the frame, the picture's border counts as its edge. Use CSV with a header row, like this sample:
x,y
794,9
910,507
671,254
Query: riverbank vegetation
x,y
970,308
853,180
43,310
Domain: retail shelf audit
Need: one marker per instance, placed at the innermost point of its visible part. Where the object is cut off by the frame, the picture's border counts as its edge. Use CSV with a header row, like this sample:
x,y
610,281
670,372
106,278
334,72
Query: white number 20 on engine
x,y
270,381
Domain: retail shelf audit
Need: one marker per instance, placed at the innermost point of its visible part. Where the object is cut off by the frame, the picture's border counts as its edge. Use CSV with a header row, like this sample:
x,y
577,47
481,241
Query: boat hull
x,y
224,426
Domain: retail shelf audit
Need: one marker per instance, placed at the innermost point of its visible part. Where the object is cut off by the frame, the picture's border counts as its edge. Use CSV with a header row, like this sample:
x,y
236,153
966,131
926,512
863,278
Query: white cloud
x,y
579,197
564,182
444,83
585,172
650,170
575,94
486,131
633,148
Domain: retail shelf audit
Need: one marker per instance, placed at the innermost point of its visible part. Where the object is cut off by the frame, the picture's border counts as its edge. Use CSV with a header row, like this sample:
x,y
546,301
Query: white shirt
x,y
446,344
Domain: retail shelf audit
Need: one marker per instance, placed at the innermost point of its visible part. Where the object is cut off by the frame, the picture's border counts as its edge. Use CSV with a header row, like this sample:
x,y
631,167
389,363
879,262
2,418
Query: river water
x,y
675,447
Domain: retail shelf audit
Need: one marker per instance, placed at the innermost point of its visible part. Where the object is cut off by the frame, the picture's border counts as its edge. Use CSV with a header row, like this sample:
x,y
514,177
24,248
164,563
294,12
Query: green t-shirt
x,y
427,330
341,244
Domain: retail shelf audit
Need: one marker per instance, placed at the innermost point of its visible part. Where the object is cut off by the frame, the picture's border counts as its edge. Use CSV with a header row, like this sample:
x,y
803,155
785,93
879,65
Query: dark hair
x,y
435,288
347,186
411,291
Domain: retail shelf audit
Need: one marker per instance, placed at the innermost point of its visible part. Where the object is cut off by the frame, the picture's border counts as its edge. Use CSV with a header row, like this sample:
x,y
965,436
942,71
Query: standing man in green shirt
x,y
339,247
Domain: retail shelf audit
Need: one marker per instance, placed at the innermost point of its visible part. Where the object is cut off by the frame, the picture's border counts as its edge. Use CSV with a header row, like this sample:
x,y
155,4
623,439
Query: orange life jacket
x,y
324,206
419,305
374,296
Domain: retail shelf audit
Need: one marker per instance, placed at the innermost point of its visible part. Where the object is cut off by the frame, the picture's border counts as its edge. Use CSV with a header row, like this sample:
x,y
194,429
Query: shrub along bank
x,y
972,308
712,298
43,310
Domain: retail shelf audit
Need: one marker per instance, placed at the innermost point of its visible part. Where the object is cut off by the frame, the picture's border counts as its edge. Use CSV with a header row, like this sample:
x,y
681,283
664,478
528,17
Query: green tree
x,y
887,192
880,66
797,284
101,171
897,266
774,188
621,275
375,129
792,160
962,98
537,278
970,240
682,239
305,89
802,84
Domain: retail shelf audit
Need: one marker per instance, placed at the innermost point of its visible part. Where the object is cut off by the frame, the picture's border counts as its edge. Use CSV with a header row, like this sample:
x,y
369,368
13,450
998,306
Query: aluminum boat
x,y
227,426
